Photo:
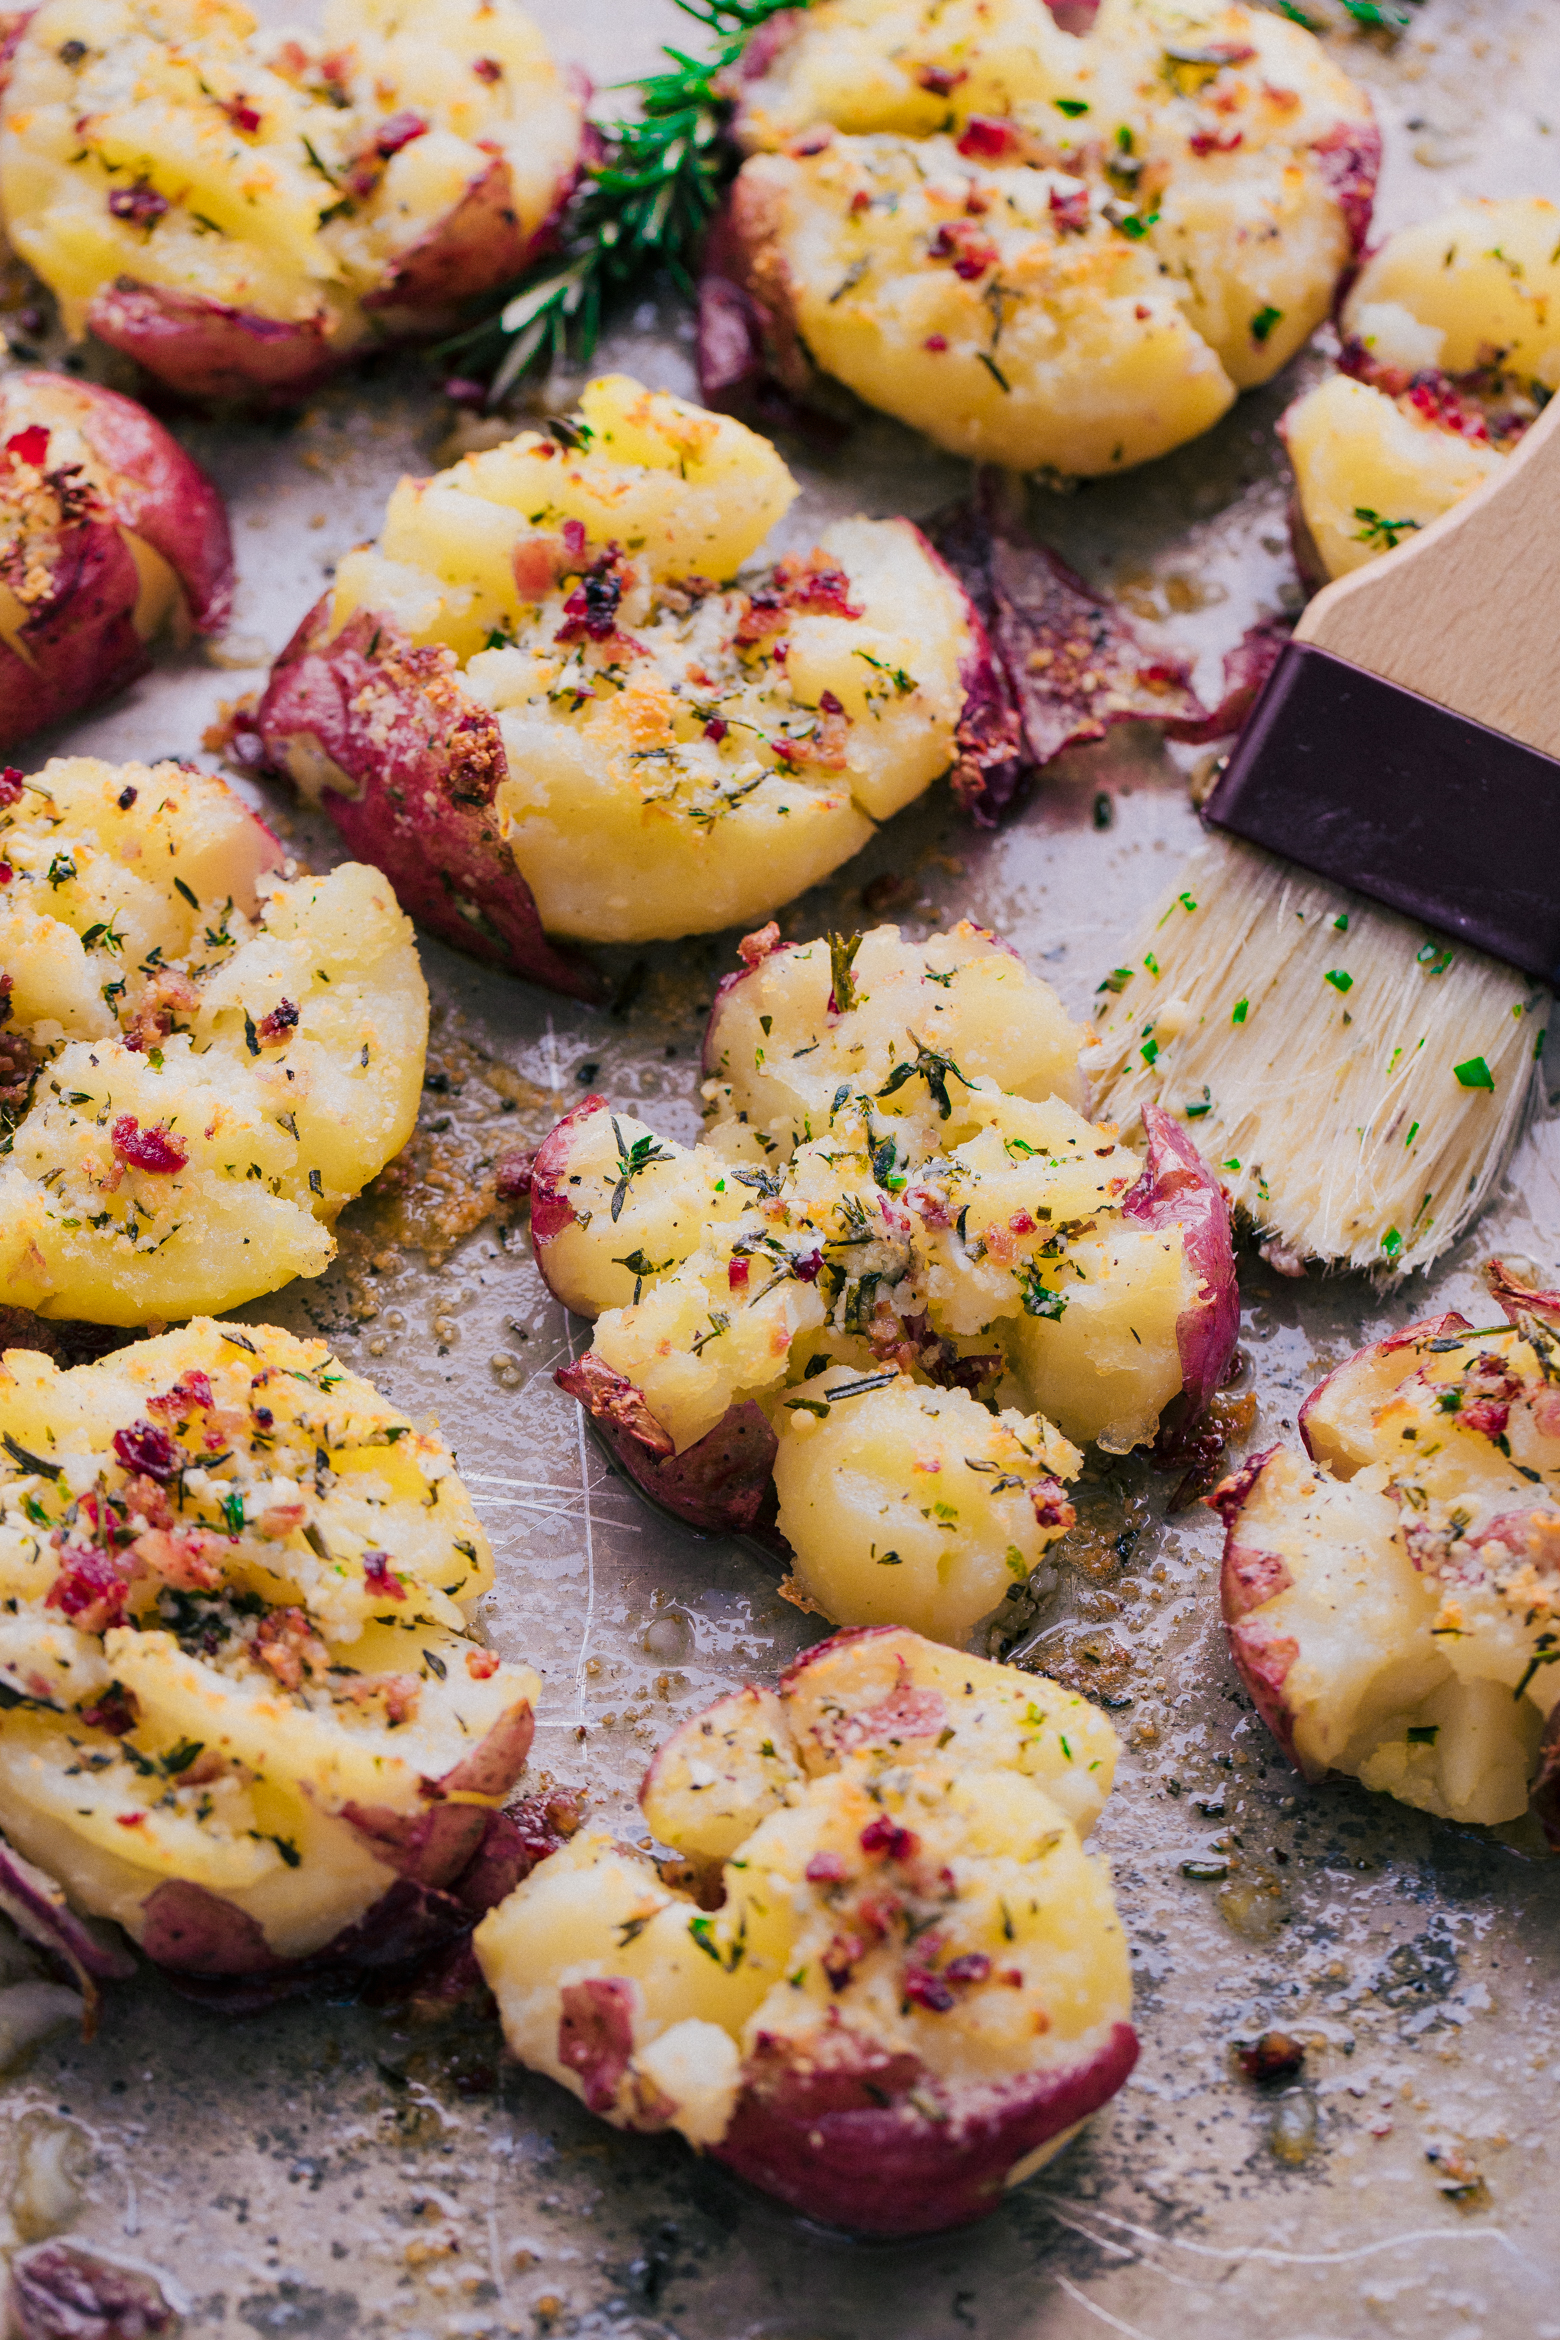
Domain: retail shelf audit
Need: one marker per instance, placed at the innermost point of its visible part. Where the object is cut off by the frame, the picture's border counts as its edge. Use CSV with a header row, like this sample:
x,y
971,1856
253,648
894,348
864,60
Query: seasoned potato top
x,y
680,752
1044,248
174,143
903,1895
201,1060
1451,348
234,1581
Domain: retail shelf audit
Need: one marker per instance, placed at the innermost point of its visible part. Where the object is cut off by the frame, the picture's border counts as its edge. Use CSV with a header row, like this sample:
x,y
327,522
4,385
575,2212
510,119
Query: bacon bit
x,y
378,1578
978,202
279,1521
12,778
482,1664
156,1150
6,873
188,1560
89,1590
144,1499
1438,400
116,1712
140,204
1051,1507
148,1451
1070,213
282,1019
988,138
487,69
936,343
1546,1413
286,1643
1485,1415
861,200
535,564
826,1868
806,1265
190,1390
885,1836
840,1959
813,583
1215,142
971,252
399,1694
1021,1223
130,1819
925,1989
28,446
591,609
972,1967
243,115
573,530
754,948
398,130
737,1273
1013,1976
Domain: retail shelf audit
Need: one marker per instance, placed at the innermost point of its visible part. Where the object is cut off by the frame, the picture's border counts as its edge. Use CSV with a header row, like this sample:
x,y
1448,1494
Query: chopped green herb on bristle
x,y
1424,1077
642,207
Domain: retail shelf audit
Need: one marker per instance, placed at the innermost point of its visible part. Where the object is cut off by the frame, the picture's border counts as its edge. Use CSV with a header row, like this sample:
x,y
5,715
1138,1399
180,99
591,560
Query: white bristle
x,y
1329,1058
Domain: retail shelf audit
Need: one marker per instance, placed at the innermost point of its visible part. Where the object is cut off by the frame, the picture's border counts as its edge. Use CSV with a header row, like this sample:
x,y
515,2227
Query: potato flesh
x,y
163,921
777,1056
1113,345
889,1252
1423,1602
1477,288
788,1953
162,95
689,770
380,1696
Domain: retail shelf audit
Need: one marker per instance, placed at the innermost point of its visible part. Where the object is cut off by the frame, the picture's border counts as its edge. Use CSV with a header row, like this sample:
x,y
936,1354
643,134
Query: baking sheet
x,y
328,2170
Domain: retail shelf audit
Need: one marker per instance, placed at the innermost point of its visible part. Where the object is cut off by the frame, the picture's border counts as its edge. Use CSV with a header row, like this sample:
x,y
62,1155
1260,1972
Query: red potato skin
x,y
473,249
1427,1328
1177,1189
422,763
81,644
840,2132
209,352
1248,1577
720,1485
156,489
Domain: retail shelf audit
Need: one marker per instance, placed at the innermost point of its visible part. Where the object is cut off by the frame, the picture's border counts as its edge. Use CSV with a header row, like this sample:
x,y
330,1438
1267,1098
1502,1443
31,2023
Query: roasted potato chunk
x,y
1392,1603
241,212
536,707
1451,348
915,1985
201,1060
241,1707
885,1274
1042,249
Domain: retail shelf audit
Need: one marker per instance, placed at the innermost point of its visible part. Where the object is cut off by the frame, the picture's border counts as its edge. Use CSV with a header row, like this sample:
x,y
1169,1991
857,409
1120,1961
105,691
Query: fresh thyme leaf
x,y
631,1160
933,1068
842,959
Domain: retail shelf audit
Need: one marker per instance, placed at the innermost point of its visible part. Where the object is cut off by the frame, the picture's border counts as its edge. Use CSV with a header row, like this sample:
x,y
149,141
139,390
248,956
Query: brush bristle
x,y
1358,1081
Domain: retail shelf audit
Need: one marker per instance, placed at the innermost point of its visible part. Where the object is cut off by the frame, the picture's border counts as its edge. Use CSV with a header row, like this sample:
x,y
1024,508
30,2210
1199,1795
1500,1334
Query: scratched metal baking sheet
x,y
328,2172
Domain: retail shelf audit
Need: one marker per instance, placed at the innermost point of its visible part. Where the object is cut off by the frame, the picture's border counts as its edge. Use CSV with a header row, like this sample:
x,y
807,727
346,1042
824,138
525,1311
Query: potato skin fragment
x,y
913,1987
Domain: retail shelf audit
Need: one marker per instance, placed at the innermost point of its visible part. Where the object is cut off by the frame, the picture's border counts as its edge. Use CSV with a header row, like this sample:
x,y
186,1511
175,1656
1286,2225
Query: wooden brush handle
x,y
1467,611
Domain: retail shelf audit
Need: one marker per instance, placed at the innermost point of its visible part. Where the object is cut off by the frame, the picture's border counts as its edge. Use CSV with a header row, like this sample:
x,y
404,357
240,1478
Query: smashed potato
x,y
900,1255
109,536
1393,1604
201,1061
536,708
241,211
1044,249
914,1986
240,1706
1451,348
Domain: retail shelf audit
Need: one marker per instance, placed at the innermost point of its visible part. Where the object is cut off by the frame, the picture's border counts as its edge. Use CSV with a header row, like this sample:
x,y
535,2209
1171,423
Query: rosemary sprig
x,y
642,207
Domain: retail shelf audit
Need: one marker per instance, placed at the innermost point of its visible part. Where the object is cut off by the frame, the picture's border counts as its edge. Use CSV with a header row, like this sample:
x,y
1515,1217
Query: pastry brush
x,y
1345,995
